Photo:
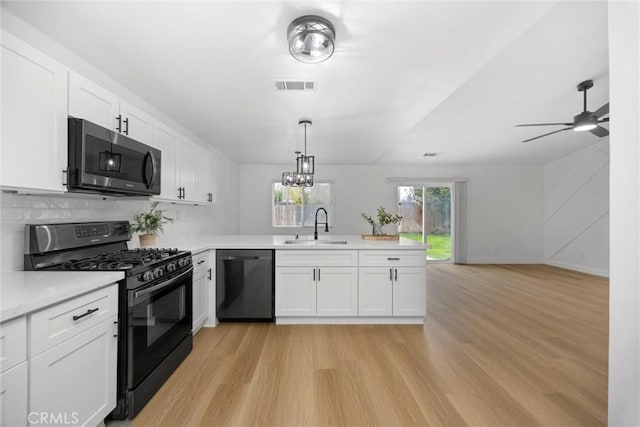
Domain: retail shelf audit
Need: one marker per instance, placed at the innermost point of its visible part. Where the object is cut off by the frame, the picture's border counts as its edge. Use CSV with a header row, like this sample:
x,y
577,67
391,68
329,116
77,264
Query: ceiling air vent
x,y
303,85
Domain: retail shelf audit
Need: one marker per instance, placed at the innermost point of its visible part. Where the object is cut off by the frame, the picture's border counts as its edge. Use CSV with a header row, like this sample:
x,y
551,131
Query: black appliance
x,y
154,299
104,161
244,285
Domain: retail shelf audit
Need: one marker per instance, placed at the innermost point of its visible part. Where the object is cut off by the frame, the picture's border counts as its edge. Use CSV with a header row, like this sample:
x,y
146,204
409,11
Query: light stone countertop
x,y
23,292
354,242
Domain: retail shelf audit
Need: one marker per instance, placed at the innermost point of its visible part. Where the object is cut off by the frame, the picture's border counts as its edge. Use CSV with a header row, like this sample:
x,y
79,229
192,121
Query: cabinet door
x,y
295,291
136,124
34,118
207,177
337,291
91,102
77,378
200,299
375,291
410,292
165,140
13,396
187,162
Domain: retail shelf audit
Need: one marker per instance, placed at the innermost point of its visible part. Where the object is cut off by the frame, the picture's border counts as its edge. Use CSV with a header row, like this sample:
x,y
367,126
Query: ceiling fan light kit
x,y
311,39
584,121
305,165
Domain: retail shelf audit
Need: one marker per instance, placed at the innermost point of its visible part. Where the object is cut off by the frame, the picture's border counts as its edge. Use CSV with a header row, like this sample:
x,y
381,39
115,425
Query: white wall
x,y
576,210
624,288
505,204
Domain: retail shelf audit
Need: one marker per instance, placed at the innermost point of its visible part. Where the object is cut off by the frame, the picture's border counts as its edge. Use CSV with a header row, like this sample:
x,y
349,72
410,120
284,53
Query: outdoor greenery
x,y
440,244
150,222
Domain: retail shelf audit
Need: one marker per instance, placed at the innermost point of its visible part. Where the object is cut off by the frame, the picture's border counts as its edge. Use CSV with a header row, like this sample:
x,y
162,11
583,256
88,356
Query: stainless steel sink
x,y
315,242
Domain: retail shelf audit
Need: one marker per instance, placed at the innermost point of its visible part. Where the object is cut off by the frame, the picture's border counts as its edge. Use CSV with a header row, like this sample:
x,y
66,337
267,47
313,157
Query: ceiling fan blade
x,y
547,134
546,124
602,111
599,131
606,119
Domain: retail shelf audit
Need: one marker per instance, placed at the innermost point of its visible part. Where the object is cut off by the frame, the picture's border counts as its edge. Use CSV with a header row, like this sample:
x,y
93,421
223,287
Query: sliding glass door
x,y
426,217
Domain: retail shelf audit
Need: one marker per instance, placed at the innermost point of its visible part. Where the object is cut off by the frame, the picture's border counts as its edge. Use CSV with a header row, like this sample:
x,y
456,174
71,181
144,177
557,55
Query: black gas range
x,y
154,304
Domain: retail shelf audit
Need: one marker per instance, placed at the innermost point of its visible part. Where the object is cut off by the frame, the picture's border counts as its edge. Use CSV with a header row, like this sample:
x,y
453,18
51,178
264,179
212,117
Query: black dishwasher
x,y
244,285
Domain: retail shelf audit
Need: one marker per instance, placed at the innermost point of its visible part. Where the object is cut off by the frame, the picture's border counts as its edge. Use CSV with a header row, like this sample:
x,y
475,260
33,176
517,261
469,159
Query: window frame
x,y
330,208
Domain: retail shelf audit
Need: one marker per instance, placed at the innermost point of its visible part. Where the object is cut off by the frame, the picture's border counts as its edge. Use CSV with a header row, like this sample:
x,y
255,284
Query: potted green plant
x,y
384,218
148,224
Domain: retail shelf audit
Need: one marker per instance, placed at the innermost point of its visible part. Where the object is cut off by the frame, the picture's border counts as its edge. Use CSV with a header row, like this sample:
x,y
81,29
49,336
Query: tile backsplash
x,y
18,210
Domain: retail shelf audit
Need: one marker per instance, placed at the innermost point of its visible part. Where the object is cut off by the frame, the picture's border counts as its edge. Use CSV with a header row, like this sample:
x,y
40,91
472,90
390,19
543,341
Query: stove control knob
x,y
147,276
182,262
171,267
158,272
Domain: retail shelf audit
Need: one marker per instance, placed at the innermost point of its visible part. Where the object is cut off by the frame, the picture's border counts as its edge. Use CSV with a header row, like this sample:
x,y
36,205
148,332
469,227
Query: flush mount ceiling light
x,y
305,165
311,39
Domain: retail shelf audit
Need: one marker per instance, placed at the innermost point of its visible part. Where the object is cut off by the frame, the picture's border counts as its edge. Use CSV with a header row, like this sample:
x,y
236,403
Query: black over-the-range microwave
x,y
104,161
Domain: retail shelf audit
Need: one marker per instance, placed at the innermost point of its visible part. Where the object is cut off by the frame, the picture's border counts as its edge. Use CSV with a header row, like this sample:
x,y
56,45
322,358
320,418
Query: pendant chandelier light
x,y
311,39
305,165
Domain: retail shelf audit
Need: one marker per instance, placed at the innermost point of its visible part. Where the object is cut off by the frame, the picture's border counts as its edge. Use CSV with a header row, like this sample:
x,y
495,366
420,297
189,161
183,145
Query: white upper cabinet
x,y
207,177
34,118
136,124
187,170
187,163
165,139
92,102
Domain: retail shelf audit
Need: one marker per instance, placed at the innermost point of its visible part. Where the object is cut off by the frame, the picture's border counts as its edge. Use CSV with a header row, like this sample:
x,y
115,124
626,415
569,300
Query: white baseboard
x,y
503,260
580,268
349,320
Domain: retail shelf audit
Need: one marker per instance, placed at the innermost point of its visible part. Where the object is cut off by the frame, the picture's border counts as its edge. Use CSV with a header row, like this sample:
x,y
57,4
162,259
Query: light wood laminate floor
x,y
510,345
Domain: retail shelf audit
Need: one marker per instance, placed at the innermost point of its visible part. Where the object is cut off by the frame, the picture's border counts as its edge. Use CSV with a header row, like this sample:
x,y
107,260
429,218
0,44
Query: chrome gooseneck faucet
x,y
326,223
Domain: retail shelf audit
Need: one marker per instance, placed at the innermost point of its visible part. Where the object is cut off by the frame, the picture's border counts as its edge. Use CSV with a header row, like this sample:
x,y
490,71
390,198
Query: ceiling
x,y
406,77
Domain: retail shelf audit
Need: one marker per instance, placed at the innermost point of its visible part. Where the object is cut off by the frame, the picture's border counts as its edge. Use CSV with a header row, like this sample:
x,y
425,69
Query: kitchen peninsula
x,y
336,279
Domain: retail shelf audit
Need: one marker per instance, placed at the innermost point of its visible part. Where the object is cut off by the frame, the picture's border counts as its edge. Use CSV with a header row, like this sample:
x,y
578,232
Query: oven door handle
x,y
162,285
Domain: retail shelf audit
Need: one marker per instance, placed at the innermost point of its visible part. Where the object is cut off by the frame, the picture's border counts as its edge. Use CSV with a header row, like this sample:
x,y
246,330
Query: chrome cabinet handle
x,y
209,276
318,275
91,310
391,274
119,119
126,122
393,259
201,261
396,275
314,274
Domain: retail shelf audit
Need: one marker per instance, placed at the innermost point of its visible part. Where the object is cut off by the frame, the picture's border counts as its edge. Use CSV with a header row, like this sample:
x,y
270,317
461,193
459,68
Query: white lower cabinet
x,y
295,291
388,285
337,291
75,382
73,360
410,291
392,283
202,276
375,291
13,396
316,283
316,291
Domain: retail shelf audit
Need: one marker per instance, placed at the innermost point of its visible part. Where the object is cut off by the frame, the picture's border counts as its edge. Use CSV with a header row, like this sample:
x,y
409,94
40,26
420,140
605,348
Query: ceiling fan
x,y
583,121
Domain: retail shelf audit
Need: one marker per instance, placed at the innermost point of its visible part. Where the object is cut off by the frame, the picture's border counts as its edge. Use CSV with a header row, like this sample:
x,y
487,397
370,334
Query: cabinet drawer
x,y
316,258
399,258
13,342
60,322
200,262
